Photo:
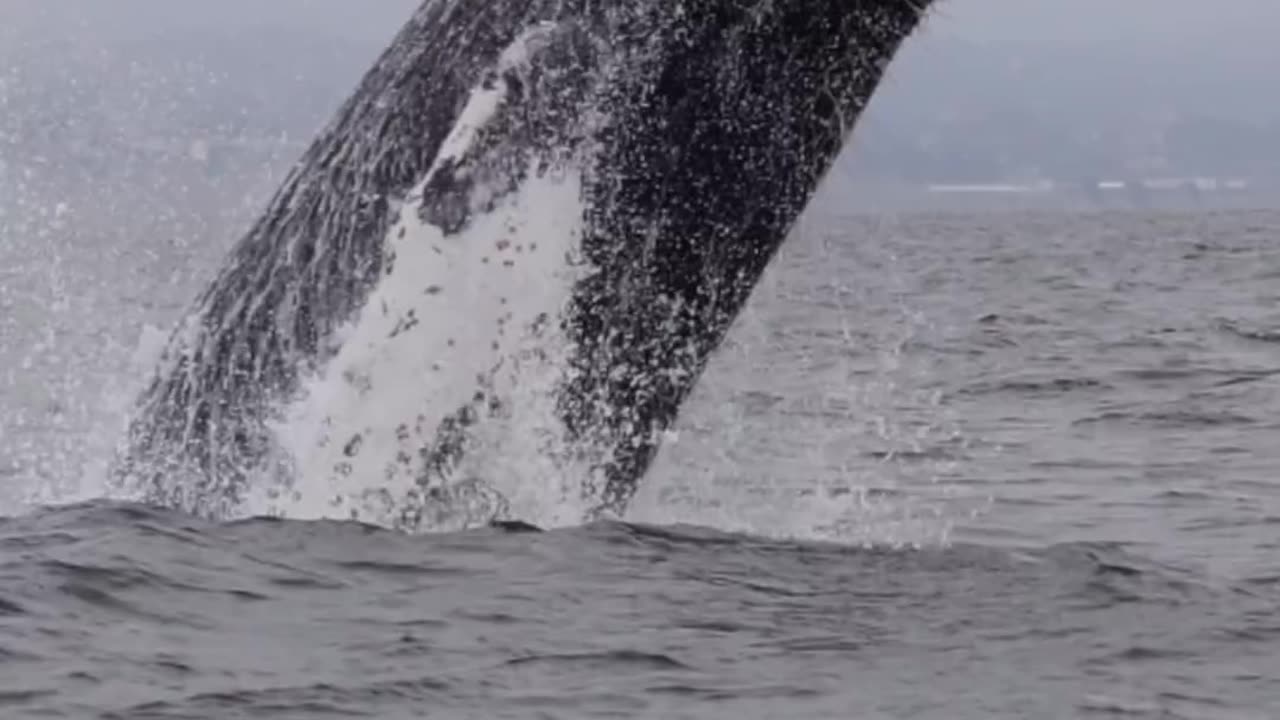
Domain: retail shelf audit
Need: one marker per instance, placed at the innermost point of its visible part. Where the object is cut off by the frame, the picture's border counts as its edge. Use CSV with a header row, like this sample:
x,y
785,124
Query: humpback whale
x,y
516,245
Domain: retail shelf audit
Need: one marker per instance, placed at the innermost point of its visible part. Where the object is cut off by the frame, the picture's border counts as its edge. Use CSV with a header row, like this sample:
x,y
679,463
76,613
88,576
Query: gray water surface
x,y
947,466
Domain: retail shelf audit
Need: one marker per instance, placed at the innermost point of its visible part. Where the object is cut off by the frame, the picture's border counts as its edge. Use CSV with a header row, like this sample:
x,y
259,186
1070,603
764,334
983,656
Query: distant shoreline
x,y
862,196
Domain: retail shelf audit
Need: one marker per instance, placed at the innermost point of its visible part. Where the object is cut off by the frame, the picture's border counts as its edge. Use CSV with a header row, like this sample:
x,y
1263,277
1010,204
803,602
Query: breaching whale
x,y
510,254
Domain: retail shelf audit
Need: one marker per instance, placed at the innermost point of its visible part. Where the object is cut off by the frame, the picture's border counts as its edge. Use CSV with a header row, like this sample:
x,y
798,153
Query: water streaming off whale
x,y
500,270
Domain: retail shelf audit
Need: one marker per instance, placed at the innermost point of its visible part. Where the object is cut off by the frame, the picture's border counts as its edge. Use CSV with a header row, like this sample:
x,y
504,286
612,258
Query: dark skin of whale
x,y
721,118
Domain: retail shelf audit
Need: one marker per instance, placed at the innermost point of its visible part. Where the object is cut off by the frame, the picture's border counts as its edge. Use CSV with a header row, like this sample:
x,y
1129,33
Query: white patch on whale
x,y
476,311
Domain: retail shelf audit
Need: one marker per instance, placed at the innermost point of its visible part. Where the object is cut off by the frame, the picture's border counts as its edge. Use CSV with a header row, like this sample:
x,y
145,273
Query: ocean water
x,y
1001,465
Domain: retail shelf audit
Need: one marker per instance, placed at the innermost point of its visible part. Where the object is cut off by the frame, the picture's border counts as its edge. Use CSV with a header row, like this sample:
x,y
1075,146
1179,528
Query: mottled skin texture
x,y
719,156
722,117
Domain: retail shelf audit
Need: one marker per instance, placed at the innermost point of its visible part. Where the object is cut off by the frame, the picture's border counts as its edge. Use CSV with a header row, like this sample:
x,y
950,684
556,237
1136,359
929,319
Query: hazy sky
x,y
1202,28
1212,25
1074,61
1202,25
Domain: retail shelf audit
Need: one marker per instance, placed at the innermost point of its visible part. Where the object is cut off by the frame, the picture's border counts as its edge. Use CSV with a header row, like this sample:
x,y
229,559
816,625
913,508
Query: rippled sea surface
x,y
1016,465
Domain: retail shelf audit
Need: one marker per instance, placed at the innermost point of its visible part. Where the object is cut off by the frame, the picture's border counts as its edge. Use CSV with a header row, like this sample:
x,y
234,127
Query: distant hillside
x,y
960,111
91,87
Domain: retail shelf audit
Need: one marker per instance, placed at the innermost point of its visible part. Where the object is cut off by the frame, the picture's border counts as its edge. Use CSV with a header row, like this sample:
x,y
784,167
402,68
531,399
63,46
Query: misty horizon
x,y
988,90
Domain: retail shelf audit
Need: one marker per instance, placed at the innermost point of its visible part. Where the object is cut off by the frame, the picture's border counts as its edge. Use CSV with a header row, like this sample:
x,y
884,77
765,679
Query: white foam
x,y
450,308
378,383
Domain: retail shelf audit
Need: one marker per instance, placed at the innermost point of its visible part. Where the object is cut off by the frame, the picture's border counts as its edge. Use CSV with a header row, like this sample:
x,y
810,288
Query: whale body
x,y
509,256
